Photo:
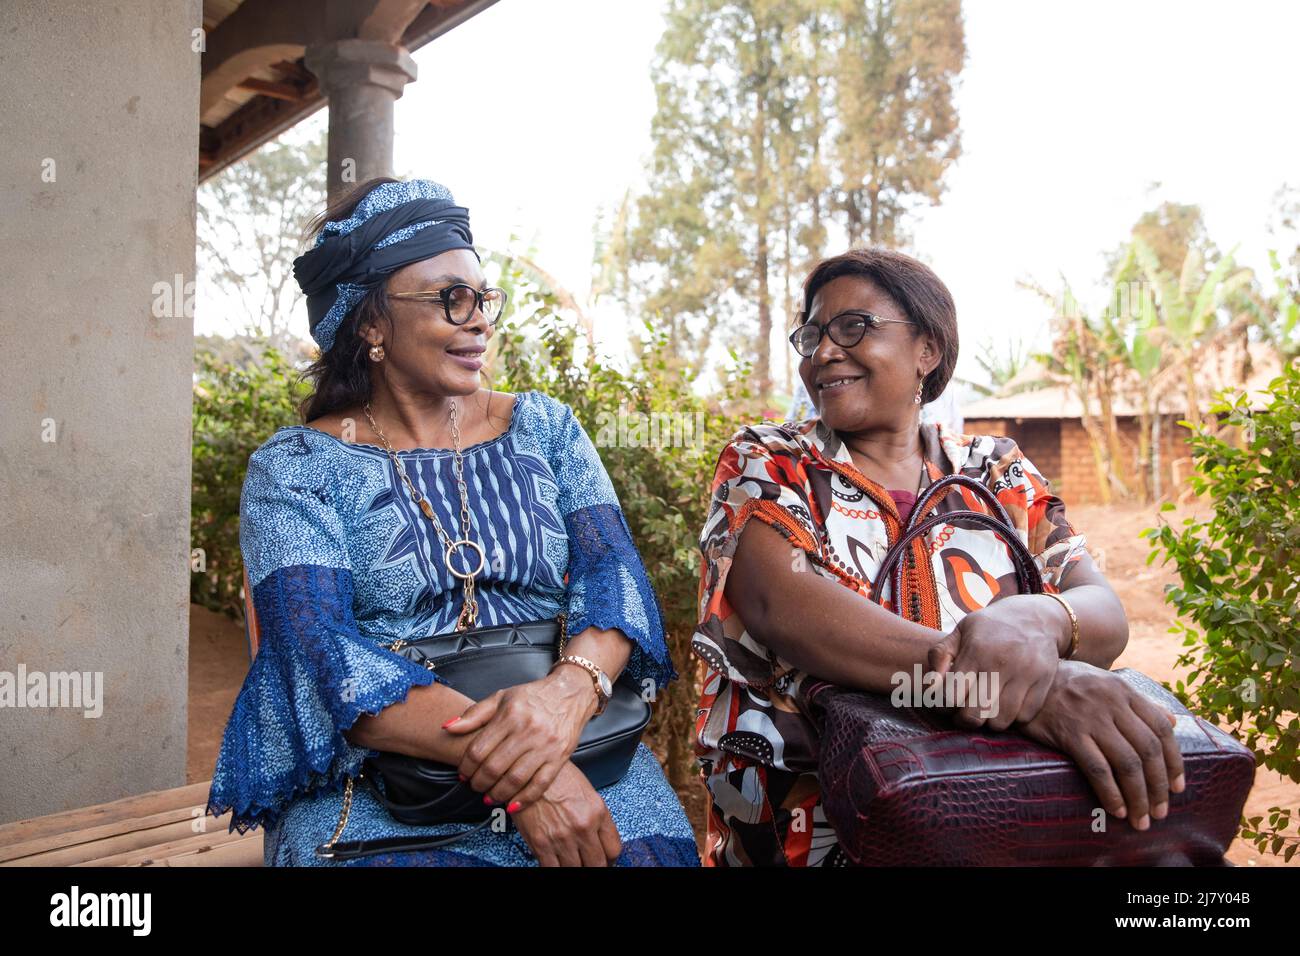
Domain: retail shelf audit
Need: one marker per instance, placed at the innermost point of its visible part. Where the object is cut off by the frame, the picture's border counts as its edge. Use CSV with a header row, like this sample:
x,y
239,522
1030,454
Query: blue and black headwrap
x,y
395,225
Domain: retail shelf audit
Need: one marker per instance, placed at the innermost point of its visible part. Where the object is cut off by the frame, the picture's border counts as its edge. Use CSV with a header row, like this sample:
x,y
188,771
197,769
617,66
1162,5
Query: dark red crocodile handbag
x,y
904,787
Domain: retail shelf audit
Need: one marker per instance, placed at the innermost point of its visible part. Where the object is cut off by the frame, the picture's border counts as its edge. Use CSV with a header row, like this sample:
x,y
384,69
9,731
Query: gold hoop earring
x,y
376,353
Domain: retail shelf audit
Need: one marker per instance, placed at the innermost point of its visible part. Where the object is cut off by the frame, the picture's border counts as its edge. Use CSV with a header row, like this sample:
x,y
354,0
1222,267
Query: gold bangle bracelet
x,y
1074,625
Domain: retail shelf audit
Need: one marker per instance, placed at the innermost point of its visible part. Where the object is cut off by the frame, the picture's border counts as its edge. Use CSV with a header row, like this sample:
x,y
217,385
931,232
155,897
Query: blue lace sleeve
x,y
608,586
314,673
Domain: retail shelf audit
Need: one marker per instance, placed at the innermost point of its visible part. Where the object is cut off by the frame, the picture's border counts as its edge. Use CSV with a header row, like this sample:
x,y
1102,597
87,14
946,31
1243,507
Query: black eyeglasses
x,y
846,330
460,300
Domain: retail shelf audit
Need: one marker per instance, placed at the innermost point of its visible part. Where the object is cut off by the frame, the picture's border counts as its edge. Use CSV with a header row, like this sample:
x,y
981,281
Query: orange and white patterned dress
x,y
755,744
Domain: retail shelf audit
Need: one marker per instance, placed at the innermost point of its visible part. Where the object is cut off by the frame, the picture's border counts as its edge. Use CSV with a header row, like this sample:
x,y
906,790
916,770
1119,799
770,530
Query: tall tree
x,y
896,124
764,135
1171,230
701,245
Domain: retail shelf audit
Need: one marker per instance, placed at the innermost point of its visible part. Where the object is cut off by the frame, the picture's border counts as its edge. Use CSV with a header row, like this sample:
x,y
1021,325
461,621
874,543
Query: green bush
x,y
660,442
1240,588
236,408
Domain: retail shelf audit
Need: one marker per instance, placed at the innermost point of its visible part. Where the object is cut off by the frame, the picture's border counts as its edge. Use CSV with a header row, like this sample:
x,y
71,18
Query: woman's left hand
x,y
526,735
1017,638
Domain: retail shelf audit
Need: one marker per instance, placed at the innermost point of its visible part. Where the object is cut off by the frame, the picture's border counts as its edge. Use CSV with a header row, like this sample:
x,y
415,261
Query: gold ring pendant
x,y
455,546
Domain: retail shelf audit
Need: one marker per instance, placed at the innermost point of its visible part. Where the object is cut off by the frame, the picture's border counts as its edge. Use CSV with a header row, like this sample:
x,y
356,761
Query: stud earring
x,y
376,353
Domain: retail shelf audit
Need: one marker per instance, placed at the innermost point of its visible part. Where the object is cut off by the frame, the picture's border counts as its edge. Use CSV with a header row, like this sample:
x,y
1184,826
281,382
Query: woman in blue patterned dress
x,y
341,562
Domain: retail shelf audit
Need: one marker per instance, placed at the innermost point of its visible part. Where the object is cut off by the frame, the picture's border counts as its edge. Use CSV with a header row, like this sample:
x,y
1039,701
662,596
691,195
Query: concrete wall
x,y
94,525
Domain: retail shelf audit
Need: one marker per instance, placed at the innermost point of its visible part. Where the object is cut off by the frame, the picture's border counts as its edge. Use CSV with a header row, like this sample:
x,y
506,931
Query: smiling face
x,y
422,348
871,385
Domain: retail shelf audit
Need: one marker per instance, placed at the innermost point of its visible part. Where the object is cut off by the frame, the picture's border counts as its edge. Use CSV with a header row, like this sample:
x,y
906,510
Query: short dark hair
x,y
914,288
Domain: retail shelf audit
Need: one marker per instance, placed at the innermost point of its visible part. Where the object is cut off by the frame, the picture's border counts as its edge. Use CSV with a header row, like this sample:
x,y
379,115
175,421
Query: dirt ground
x,y
219,658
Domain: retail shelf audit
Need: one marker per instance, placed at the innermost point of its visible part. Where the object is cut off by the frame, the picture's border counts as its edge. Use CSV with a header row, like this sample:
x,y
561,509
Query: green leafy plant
x,y
236,408
1239,600
659,441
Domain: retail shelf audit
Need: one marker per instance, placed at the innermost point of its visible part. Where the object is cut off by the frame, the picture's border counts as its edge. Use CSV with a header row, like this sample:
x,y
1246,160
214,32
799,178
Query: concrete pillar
x,y
97,175
362,79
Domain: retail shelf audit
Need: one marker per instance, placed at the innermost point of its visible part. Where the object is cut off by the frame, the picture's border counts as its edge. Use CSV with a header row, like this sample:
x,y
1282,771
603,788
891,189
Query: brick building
x,y
1046,422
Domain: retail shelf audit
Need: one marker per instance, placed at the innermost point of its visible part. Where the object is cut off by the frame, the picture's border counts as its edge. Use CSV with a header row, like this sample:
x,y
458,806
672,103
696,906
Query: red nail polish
x,y
450,722
487,799
514,806
461,777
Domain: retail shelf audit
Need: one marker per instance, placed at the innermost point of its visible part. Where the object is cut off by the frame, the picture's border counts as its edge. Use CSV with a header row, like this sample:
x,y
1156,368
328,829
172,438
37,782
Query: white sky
x,y
1069,113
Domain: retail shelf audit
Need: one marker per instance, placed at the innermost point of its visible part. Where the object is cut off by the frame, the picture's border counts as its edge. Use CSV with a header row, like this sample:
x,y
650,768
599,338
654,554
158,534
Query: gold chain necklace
x,y
469,611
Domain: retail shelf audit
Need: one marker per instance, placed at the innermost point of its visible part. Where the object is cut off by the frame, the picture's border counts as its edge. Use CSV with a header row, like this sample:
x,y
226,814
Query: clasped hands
x,y
520,757
1123,743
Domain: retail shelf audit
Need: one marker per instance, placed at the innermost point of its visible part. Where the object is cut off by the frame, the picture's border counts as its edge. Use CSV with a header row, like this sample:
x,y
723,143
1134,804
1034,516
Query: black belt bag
x,y
478,663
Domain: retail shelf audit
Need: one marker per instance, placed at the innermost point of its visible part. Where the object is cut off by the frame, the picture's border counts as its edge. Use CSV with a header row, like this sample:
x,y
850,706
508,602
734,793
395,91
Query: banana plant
x,y
1278,315
1083,354
1286,304
1000,368
1189,309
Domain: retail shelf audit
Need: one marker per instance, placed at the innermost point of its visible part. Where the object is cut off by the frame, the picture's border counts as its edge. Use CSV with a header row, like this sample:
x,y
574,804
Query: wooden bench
x,y
163,828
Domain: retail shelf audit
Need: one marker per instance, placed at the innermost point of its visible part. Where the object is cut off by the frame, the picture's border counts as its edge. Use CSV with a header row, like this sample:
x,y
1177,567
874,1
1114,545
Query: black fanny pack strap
x,y
352,849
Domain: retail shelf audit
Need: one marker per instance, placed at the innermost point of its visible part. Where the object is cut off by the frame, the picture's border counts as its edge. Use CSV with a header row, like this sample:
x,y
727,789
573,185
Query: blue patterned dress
x,y
341,561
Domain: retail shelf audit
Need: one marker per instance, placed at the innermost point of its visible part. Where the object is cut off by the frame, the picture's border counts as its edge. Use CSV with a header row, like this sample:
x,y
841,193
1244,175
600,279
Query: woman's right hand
x,y
1123,743
570,825
1017,639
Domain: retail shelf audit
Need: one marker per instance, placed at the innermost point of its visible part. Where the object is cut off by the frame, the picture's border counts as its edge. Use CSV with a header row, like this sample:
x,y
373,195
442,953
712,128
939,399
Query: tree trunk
x,y
1144,454
853,210
1193,404
873,219
1156,482
1096,441
788,309
763,352
1111,426
763,357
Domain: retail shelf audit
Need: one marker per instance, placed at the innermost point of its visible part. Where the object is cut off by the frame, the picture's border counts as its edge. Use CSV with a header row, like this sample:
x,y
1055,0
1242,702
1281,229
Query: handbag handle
x,y
1028,578
980,489
352,849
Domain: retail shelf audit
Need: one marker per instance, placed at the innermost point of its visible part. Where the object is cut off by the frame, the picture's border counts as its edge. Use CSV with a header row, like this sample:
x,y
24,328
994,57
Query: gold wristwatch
x,y
604,689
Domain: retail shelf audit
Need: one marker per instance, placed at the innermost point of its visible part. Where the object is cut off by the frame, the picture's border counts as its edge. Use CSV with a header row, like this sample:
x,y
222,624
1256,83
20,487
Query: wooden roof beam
x,y
279,91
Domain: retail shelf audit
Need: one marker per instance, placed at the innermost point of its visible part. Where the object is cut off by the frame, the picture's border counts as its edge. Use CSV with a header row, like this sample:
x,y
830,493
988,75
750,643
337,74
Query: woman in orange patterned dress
x,y
795,595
